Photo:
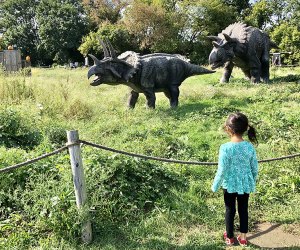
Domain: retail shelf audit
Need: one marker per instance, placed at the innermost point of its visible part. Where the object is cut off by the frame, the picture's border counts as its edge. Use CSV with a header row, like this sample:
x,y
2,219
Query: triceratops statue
x,y
245,47
146,74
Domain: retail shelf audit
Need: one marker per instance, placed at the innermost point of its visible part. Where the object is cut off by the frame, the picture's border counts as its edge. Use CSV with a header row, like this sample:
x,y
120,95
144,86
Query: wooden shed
x,y
11,60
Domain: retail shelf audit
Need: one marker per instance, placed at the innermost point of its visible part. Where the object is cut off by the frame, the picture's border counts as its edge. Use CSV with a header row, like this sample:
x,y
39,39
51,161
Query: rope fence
x,y
173,160
57,151
98,146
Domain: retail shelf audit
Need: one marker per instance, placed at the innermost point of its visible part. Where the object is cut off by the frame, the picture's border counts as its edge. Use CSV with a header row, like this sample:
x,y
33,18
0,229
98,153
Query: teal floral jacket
x,y
237,168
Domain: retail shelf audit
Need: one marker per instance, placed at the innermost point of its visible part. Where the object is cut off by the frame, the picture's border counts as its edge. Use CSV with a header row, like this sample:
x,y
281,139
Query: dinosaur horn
x,y
227,37
111,49
216,45
106,53
214,38
96,60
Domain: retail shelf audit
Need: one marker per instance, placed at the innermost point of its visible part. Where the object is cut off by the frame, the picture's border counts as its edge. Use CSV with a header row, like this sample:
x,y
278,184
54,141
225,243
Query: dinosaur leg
x,y
133,97
174,94
265,65
255,75
227,72
255,69
168,95
247,73
150,96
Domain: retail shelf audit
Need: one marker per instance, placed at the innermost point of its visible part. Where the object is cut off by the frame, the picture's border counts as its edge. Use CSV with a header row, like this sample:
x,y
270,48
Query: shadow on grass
x,y
151,244
275,248
288,78
159,244
214,109
263,232
186,108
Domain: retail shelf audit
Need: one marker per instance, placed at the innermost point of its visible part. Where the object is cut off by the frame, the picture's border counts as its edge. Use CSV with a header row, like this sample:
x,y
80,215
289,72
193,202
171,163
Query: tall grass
x,y
137,204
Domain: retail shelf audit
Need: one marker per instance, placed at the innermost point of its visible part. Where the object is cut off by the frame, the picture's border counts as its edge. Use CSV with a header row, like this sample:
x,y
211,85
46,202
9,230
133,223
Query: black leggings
x,y
242,200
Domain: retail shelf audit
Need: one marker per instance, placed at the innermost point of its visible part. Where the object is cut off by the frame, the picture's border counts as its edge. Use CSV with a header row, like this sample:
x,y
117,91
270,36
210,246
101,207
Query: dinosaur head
x,y
222,51
110,70
104,71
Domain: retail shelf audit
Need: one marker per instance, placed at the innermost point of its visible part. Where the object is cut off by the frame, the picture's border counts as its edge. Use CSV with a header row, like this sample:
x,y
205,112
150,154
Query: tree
x,y
17,20
62,25
287,36
169,5
260,15
202,18
154,28
286,31
293,11
105,10
239,5
117,34
2,44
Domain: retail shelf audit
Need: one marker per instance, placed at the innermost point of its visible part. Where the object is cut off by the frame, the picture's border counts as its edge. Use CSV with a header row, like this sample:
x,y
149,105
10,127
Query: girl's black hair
x,y
238,124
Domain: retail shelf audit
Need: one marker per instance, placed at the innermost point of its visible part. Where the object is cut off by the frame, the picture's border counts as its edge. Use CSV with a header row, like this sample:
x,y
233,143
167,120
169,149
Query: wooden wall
x,y
11,60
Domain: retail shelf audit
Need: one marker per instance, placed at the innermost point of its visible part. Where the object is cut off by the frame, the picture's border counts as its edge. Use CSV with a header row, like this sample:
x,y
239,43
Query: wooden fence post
x,y
79,182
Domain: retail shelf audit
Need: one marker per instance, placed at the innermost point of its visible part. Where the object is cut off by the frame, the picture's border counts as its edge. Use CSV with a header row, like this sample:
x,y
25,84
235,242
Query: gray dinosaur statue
x,y
146,74
245,47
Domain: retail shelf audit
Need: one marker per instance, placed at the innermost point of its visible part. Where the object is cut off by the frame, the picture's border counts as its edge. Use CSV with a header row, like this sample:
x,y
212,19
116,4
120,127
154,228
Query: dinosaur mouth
x,y
217,65
96,81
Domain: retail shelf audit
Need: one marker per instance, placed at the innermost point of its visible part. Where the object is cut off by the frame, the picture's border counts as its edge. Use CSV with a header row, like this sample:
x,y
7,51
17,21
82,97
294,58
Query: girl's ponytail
x,y
252,134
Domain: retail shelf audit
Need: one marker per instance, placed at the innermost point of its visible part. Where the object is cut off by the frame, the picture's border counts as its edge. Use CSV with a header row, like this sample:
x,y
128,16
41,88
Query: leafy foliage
x,y
17,131
127,186
45,30
52,31
118,35
260,15
239,5
17,19
202,19
102,11
154,28
61,26
288,39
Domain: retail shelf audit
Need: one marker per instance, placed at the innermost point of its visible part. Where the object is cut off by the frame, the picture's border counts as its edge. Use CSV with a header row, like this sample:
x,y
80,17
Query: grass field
x,y
138,204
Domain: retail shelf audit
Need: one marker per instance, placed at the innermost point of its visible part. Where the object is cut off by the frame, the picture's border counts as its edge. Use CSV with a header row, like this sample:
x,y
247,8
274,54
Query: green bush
x,y
78,110
11,180
51,204
16,130
126,187
287,37
56,134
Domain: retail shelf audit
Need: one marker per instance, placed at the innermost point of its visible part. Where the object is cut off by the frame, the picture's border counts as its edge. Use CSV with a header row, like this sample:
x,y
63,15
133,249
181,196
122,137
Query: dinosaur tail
x,y
273,45
198,70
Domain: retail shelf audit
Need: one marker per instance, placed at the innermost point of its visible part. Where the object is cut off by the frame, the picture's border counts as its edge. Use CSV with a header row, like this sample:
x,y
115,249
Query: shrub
x,y
124,187
78,110
56,134
51,204
9,181
16,130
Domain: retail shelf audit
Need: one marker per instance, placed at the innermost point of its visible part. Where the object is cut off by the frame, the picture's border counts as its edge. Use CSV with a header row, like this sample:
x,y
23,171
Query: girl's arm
x,y
254,166
221,169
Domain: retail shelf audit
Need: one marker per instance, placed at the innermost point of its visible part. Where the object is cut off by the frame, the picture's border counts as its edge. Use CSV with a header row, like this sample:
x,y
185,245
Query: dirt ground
x,y
275,236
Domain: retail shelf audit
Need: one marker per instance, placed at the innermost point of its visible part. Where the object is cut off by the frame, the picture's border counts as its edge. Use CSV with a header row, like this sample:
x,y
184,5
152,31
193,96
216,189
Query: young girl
x,y
237,173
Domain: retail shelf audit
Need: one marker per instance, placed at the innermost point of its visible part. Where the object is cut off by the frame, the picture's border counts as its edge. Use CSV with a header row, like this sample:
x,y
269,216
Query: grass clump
x,y
17,130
